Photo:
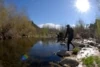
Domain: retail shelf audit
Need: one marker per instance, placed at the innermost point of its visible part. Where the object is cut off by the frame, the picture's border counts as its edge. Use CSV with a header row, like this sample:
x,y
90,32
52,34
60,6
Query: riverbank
x,y
42,50
29,36
89,50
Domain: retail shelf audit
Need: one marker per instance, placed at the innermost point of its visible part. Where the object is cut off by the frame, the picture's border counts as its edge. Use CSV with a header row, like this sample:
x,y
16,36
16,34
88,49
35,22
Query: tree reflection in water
x,y
29,52
12,50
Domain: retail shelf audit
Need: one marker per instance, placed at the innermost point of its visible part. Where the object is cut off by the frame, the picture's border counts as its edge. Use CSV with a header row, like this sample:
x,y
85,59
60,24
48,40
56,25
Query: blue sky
x,y
55,11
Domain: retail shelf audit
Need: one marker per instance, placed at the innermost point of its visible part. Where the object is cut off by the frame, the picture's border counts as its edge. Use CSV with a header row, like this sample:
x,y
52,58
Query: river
x,y
29,52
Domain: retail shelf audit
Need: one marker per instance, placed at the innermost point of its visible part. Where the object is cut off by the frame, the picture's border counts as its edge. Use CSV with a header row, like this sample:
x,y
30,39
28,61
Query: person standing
x,y
70,34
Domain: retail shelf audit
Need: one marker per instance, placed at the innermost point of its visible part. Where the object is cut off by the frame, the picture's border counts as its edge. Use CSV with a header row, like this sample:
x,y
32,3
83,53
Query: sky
x,y
58,12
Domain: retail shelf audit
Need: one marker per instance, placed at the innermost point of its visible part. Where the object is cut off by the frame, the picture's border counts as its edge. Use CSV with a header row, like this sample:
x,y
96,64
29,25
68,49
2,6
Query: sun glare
x,y
82,5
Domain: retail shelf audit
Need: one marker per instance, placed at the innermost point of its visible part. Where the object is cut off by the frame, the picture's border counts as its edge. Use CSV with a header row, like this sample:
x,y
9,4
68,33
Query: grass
x,y
76,50
89,61
97,60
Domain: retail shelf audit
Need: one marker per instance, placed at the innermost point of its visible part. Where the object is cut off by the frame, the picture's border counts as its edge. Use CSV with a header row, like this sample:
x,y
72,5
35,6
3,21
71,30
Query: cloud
x,y
50,25
73,25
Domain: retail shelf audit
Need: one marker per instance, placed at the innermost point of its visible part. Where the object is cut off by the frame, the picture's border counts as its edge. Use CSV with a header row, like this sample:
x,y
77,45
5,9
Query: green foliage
x,y
97,25
81,30
97,60
88,61
92,31
76,50
14,24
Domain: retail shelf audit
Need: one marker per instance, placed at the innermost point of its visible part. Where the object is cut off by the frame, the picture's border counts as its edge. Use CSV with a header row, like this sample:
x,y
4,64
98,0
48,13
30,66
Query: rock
x,y
78,41
98,40
98,46
84,45
80,64
81,45
92,44
87,51
78,37
54,64
74,53
64,53
69,63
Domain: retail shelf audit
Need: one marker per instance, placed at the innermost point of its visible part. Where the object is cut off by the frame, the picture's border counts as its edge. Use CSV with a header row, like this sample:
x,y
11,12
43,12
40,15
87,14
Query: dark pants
x,y
69,42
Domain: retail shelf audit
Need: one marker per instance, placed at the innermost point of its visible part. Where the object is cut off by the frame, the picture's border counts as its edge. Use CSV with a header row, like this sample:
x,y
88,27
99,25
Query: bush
x,y
97,60
75,50
14,24
88,61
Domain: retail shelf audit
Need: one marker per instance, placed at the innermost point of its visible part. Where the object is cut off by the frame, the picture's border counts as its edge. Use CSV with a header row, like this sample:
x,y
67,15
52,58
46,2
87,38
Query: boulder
x,y
78,36
87,41
92,44
98,46
52,64
81,45
87,51
69,63
64,53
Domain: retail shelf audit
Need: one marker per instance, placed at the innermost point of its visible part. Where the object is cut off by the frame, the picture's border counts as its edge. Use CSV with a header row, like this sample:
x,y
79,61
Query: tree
x,y
80,29
97,25
14,23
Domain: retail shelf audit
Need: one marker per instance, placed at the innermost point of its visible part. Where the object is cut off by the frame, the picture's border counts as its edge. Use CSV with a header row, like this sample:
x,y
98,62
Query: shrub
x,y
97,60
88,61
75,50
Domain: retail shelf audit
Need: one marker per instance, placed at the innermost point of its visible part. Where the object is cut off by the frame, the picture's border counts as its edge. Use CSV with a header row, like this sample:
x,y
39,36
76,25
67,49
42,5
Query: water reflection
x,y
29,52
43,52
12,50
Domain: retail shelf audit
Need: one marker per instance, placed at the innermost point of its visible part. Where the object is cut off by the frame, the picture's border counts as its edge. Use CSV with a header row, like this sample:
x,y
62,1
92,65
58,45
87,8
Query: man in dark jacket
x,y
70,34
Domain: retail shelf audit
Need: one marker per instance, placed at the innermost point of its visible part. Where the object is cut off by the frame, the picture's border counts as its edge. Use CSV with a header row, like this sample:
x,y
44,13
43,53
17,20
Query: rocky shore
x,y
87,48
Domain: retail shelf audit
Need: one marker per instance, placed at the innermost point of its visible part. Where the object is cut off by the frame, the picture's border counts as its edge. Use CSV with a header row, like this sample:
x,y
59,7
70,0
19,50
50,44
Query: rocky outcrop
x,y
64,53
88,47
98,46
87,51
69,63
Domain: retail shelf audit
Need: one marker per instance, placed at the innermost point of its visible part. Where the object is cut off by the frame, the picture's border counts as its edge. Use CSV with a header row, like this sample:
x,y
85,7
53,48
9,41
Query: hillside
x,y
34,25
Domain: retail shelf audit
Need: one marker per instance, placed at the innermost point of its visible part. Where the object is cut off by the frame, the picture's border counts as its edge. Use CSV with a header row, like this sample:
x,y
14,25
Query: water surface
x,y
29,52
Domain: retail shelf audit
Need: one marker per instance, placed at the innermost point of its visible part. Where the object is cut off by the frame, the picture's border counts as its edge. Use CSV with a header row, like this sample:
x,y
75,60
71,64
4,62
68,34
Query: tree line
x,y
14,23
88,30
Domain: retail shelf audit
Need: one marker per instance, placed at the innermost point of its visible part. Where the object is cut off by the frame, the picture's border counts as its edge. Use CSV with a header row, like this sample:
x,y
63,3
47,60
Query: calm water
x,y
29,52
